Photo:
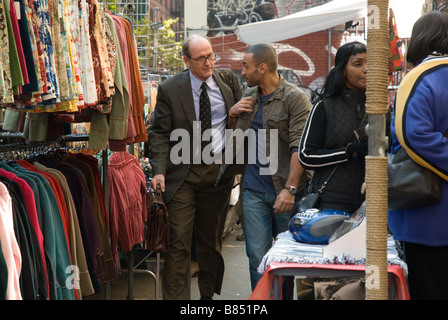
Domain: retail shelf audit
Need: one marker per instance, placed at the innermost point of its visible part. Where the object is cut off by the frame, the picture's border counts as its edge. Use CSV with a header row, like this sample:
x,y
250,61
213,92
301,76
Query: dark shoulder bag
x,y
410,185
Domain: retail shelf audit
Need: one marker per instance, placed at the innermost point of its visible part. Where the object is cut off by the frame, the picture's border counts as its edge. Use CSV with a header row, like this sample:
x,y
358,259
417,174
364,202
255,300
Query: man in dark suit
x,y
195,200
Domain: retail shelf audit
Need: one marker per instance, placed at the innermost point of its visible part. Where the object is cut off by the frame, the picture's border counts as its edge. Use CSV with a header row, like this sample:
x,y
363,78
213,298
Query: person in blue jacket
x,y
419,125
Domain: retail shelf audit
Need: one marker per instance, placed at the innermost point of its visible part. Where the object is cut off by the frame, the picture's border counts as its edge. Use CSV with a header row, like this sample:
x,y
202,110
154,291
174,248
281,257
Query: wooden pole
x,y
376,161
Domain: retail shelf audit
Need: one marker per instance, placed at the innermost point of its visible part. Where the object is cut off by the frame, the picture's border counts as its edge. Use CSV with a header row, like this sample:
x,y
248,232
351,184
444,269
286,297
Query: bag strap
x,y
324,185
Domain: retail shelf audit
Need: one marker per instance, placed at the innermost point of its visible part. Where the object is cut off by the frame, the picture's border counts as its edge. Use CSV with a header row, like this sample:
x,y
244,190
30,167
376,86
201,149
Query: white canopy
x,y
324,17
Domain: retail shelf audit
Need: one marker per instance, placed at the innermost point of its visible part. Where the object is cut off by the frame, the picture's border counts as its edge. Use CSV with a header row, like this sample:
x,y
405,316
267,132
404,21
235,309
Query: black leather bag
x,y
157,223
411,185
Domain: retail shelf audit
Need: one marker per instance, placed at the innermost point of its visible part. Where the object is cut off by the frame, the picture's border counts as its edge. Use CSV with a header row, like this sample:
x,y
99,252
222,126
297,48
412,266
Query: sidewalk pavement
x,y
236,284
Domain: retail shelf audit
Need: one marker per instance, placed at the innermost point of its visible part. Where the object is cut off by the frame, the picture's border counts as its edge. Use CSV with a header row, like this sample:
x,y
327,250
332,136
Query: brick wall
x,y
302,60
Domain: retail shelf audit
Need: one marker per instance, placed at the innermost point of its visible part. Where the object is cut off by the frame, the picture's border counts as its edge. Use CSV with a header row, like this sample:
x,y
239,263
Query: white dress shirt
x,y
218,110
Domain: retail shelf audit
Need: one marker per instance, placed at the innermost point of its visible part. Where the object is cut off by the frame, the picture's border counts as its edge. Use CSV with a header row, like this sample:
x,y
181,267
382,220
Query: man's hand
x,y
244,105
284,201
158,179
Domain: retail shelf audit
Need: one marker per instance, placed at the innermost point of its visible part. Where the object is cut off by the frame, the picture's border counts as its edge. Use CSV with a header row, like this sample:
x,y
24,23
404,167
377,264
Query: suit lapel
x,y
226,92
186,98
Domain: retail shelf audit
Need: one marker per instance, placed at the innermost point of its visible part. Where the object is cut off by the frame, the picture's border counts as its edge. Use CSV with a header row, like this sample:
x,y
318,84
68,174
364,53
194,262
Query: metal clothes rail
x,y
14,141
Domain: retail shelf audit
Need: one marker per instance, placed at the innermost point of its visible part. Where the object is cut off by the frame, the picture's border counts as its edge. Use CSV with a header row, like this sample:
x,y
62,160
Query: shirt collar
x,y
196,83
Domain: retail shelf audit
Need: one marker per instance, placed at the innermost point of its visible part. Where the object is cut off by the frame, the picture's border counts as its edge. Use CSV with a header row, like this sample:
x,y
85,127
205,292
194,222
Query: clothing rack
x,y
133,268
15,141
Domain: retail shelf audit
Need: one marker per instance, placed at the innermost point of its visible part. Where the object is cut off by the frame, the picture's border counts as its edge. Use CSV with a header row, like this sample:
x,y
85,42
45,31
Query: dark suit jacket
x,y
175,110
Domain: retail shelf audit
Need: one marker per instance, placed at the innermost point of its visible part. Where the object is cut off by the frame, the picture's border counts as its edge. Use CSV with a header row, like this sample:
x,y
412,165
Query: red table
x,y
269,287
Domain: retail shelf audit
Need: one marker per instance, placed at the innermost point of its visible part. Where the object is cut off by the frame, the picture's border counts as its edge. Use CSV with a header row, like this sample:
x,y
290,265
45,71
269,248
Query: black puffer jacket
x,y
329,129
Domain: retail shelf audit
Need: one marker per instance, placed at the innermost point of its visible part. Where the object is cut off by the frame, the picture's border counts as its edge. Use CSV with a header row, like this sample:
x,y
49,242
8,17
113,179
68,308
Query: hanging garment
x,y
10,247
42,20
85,215
30,208
71,18
103,130
75,239
109,52
18,44
127,203
29,54
30,204
6,92
55,242
31,270
137,100
3,275
105,266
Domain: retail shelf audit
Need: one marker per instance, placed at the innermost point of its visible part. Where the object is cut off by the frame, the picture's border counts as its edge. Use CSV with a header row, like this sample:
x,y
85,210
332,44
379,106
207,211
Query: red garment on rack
x,y
127,203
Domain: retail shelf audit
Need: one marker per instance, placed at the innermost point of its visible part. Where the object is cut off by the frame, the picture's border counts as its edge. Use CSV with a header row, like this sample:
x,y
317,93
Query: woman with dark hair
x,y
419,125
330,140
429,35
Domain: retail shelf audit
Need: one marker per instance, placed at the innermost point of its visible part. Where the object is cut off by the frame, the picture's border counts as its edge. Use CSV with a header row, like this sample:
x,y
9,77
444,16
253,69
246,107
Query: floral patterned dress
x,y
6,92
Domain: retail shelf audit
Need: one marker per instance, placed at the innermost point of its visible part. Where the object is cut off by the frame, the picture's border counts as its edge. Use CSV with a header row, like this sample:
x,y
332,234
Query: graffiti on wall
x,y
439,5
291,72
224,15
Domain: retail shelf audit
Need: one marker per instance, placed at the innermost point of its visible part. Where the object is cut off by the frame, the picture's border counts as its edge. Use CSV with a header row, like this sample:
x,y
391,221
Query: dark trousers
x,y
202,206
427,271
